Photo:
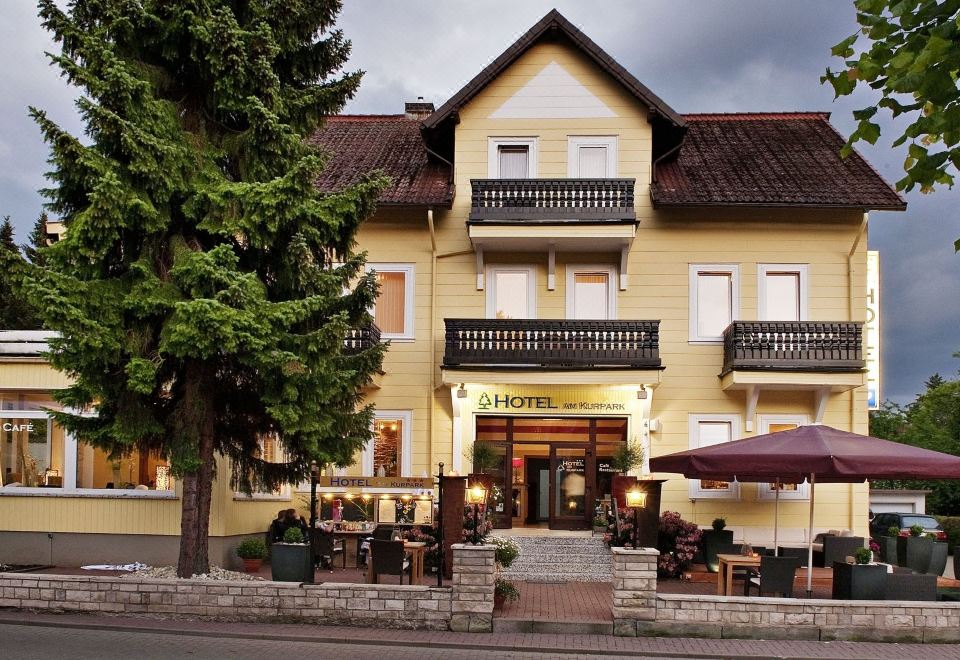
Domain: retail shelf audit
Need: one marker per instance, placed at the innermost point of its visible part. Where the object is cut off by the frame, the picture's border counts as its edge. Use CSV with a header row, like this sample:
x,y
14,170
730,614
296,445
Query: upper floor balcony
x,y
552,343
552,200
361,339
793,346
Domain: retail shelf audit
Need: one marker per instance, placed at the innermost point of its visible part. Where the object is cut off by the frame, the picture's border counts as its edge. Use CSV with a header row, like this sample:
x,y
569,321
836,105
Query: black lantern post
x,y
440,527
314,477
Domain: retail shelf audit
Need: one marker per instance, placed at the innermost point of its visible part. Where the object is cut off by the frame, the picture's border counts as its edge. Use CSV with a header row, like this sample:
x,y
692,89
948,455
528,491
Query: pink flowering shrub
x,y
677,543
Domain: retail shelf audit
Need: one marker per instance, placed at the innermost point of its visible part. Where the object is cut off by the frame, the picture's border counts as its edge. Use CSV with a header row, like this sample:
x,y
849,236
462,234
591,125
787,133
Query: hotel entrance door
x,y
572,483
553,470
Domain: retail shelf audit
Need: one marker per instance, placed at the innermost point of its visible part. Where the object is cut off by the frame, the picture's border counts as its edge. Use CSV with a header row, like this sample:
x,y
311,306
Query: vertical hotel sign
x,y
871,330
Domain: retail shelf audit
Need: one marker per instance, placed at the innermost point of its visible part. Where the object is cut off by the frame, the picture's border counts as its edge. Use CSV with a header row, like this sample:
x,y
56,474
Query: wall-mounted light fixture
x,y
642,393
461,392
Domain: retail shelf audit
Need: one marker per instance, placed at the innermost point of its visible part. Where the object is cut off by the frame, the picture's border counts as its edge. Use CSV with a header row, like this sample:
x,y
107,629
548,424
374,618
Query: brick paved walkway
x,y
586,602
366,639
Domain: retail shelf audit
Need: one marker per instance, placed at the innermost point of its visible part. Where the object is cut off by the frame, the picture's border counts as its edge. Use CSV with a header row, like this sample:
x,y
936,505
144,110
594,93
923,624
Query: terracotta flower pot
x,y
252,565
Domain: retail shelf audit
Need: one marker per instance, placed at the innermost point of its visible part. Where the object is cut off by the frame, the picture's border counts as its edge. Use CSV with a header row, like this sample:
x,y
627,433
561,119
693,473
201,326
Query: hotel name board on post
x,y
412,483
871,330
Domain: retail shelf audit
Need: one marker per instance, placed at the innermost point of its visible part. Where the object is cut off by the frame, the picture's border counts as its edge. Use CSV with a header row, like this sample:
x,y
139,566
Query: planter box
x,y
914,552
859,581
938,558
888,549
291,562
711,540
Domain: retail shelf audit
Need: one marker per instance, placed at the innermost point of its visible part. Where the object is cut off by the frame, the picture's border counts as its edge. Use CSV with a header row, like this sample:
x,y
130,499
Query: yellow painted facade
x,y
830,242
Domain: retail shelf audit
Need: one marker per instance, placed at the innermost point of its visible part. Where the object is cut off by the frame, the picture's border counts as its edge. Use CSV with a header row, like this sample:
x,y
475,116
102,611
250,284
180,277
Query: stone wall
x,y
466,605
474,573
634,588
781,618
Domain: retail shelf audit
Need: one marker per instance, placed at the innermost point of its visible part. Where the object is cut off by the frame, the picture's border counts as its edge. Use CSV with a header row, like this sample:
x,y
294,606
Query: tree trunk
x,y
197,486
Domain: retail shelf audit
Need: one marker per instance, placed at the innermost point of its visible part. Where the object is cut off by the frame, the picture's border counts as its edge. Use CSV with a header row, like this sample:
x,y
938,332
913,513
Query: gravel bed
x,y
170,573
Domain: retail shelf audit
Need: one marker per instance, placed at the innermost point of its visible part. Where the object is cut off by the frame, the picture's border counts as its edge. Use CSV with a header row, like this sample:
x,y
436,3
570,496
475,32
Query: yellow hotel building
x,y
566,264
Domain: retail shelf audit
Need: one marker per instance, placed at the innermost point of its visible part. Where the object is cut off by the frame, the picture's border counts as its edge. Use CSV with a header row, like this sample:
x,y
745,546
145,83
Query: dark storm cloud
x,y
698,56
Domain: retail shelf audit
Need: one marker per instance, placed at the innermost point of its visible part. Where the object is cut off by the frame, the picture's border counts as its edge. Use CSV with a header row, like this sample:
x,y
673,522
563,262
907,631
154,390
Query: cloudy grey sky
x,y
702,56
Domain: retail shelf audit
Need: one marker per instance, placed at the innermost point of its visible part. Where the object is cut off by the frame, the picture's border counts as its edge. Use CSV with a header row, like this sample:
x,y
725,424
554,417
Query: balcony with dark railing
x,y
552,343
546,200
805,346
360,339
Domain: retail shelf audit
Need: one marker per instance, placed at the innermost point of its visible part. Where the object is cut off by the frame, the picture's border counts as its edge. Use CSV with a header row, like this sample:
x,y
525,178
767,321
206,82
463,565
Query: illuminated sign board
x,y
871,330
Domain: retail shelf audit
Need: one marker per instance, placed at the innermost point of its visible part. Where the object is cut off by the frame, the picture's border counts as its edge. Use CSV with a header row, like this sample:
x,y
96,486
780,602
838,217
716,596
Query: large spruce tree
x,y
204,287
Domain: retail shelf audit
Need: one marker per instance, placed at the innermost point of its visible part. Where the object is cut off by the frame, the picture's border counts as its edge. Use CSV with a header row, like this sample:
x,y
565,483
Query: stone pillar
x,y
474,572
454,498
634,589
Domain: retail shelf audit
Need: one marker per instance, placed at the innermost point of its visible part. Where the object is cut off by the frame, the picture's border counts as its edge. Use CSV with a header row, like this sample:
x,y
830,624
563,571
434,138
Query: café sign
x,y
7,426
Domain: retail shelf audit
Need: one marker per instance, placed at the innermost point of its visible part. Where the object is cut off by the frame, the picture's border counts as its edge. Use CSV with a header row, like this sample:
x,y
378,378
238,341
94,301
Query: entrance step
x,y
560,559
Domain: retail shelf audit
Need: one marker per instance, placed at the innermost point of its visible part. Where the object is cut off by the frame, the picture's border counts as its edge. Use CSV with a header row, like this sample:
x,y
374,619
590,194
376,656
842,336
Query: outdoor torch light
x,y
476,495
636,500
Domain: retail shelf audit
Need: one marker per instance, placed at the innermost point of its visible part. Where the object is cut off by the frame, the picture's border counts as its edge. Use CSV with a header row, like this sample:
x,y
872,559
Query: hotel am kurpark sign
x,y
552,401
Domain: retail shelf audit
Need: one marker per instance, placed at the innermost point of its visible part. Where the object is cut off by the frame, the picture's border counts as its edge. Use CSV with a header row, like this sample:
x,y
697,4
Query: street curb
x,y
279,637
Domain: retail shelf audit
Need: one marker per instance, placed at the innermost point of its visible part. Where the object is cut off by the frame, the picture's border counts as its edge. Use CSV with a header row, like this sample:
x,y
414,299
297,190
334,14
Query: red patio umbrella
x,y
810,453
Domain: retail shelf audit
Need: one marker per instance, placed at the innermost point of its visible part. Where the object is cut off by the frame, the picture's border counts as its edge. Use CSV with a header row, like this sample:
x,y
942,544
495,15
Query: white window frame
x,y
764,269
406,444
697,493
611,273
409,290
574,142
529,269
695,269
764,492
69,488
493,154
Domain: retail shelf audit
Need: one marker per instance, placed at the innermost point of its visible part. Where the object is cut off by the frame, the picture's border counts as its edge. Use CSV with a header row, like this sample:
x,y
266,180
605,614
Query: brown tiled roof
x,y
554,23
768,159
358,144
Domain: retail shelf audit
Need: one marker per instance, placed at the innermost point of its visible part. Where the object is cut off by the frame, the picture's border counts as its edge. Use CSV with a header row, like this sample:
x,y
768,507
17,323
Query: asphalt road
x,y
41,643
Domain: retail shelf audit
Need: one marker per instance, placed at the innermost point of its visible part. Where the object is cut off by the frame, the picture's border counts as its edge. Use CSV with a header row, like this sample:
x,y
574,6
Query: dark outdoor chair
x,y
380,533
901,585
836,548
325,545
776,576
389,558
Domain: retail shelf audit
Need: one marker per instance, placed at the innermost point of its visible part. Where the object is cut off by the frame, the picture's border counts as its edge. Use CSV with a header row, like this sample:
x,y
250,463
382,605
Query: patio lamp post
x,y
636,500
476,495
314,477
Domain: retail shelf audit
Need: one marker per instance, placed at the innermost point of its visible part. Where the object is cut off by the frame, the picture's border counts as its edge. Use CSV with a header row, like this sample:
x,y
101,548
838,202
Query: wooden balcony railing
x,y
552,199
793,346
552,343
360,339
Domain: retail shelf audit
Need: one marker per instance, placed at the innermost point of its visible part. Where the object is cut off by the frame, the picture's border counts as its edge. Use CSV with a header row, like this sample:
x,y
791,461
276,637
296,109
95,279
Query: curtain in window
x,y
713,303
591,296
783,297
391,303
514,162
593,162
713,433
512,295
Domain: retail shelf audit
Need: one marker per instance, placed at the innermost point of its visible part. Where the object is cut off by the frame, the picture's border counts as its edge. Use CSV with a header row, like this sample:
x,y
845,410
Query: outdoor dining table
x,y
416,550
352,539
727,564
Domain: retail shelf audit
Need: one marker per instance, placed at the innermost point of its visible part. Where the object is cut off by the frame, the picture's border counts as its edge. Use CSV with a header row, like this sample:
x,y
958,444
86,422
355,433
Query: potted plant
x,y
599,524
504,590
292,560
938,556
888,545
252,551
506,551
628,456
914,551
861,580
483,456
713,539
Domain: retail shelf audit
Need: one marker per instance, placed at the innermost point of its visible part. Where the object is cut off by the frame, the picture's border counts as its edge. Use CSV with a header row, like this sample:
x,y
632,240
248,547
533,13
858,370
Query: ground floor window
x,y
707,430
388,453
36,452
768,491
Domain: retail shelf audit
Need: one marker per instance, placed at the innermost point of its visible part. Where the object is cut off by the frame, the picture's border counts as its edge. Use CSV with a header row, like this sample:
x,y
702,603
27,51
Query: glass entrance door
x,y
572,468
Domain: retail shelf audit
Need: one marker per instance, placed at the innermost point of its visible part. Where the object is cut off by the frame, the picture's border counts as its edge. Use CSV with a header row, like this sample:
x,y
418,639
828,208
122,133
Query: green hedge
x,y
951,525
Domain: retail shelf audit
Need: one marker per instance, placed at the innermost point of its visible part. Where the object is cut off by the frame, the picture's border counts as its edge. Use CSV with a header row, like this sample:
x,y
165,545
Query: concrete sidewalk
x,y
558,644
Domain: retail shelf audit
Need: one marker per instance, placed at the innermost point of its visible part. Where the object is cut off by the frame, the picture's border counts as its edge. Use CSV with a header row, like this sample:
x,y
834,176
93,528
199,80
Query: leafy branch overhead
x,y
912,59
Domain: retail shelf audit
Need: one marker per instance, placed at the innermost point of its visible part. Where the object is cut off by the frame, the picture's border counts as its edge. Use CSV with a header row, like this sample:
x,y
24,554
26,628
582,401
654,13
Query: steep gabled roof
x,y
359,144
768,159
554,22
